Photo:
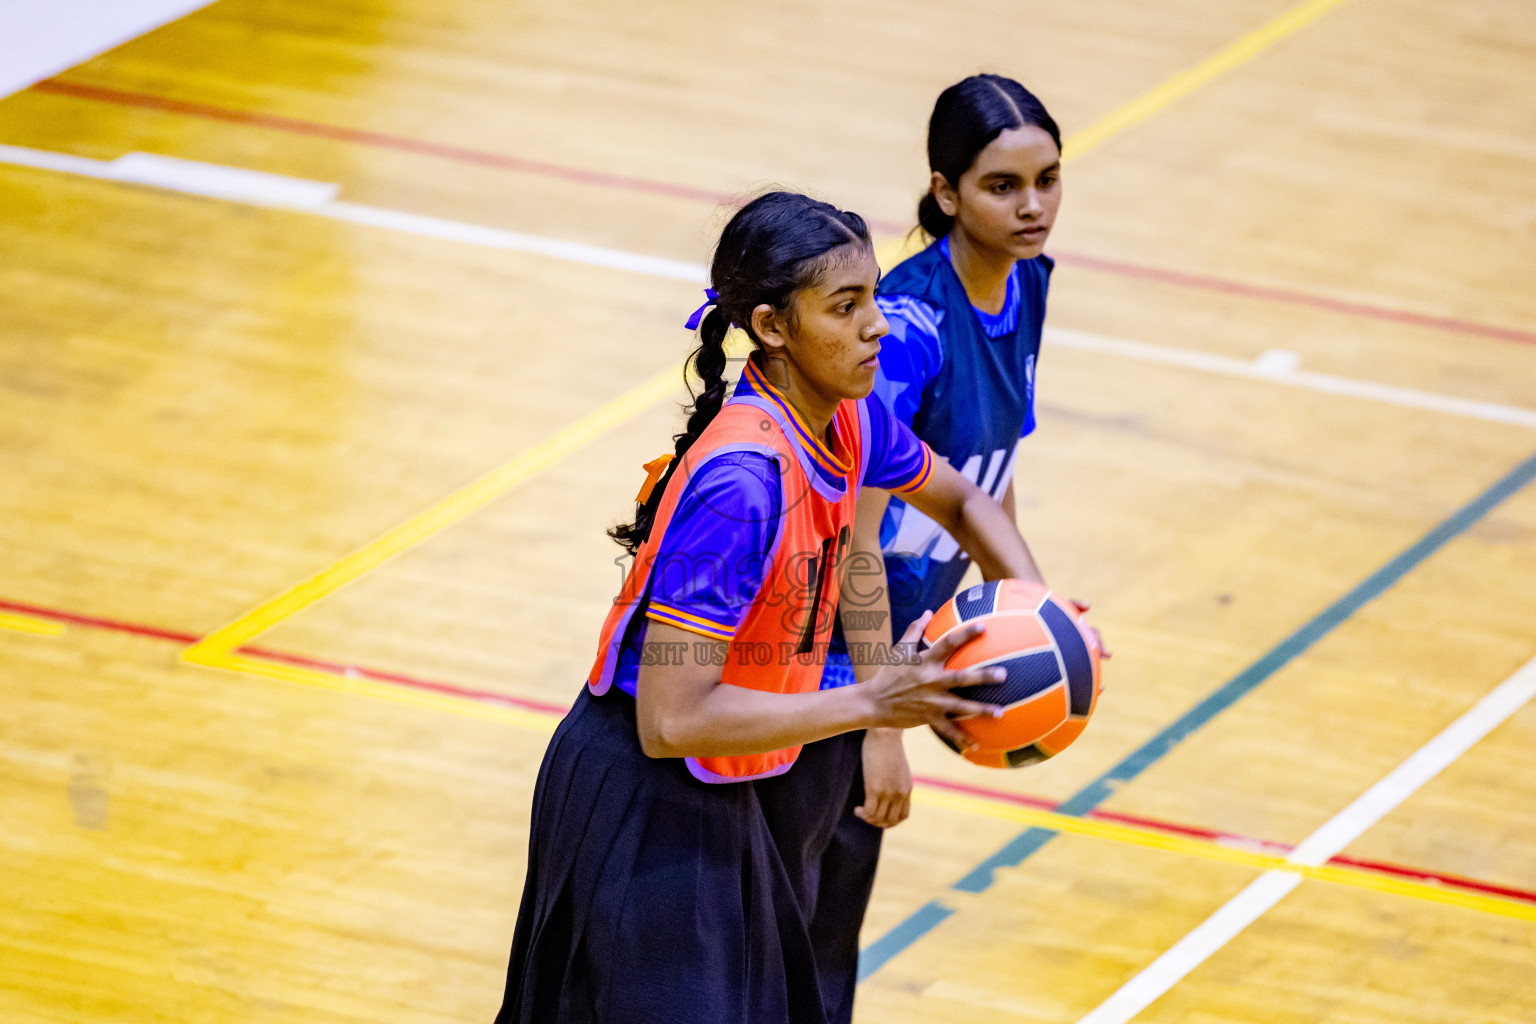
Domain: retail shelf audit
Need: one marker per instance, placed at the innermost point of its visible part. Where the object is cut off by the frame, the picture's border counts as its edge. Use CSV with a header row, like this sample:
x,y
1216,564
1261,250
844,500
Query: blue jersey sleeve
x,y
1034,283
910,356
897,461
712,561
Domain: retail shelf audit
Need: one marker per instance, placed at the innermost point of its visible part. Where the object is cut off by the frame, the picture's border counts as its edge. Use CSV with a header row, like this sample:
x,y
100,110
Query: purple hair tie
x,y
710,295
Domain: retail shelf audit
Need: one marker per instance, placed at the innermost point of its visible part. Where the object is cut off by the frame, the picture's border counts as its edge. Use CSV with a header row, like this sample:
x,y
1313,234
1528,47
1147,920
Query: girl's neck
x,y
815,408
983,273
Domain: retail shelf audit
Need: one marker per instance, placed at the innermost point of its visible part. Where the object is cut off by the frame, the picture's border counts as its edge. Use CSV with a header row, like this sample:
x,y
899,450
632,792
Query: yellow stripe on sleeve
x,y
687,620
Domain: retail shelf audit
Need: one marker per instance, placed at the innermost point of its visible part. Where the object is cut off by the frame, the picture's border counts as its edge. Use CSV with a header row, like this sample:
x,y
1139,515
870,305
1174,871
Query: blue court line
x,y
980,878
873,956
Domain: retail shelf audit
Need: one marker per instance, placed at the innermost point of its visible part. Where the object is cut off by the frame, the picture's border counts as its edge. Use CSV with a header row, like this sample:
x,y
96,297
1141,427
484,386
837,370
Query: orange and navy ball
x,y
1052,661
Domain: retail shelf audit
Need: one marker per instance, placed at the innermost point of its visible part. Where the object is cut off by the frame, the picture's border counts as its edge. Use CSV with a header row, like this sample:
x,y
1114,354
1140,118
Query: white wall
x,y
40,38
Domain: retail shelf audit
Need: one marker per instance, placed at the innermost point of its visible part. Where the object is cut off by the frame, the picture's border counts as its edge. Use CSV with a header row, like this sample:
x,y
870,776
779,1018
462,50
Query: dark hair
x,y
966,118
774,246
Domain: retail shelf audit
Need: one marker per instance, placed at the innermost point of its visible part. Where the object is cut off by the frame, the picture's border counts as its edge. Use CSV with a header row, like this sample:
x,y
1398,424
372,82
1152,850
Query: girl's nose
x,y
879,329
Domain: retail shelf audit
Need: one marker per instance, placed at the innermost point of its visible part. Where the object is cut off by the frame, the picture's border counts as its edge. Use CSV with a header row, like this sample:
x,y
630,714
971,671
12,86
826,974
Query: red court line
x,y
1452,881
1323,302
985,792
360,672
1038,803
72,619
384,140
332,667
1232,838
1212,835
1154,824
380,140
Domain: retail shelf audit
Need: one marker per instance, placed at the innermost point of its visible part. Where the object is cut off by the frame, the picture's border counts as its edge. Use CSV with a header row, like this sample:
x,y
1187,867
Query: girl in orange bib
x,y
656,891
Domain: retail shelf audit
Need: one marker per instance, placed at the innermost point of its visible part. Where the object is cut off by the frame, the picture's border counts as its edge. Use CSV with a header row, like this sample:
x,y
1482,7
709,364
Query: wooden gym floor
x,y
1288,417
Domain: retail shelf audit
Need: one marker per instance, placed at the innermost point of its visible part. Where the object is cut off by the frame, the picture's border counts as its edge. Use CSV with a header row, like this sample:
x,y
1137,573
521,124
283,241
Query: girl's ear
x,y
771,329
944,194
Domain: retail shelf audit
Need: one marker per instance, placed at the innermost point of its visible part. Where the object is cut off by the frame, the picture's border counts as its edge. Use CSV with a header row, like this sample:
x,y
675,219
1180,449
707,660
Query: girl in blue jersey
x,y
656,890
959,368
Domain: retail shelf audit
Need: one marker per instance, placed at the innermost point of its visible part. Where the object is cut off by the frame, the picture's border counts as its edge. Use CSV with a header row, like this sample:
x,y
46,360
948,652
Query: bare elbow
x,y
655,738
652,744
970,496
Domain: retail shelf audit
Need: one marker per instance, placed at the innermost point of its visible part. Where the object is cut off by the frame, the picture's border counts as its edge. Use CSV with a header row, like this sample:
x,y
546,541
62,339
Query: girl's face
x,y
831,332
1007,201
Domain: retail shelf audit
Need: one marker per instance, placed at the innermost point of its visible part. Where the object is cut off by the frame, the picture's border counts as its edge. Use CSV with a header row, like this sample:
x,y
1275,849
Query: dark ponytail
x,y
774,246
966,118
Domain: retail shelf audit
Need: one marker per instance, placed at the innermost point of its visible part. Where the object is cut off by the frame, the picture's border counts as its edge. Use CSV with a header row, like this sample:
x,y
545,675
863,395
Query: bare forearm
x,y
869,635
991,537
684,710
865,604
980,525
733,720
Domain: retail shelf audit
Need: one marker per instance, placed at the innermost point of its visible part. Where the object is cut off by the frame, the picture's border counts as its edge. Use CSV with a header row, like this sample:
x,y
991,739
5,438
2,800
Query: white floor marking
x,y
317,198
274,191
1277,360
40,38
216,181
1346,826
495,238
1271,370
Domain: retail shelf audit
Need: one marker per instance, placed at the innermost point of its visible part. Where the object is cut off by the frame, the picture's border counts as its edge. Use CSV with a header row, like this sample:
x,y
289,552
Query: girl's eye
x,y
846,308
1001,188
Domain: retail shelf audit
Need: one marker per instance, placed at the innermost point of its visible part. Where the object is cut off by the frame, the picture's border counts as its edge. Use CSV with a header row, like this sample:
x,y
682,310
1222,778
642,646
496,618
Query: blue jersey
x,y
965,382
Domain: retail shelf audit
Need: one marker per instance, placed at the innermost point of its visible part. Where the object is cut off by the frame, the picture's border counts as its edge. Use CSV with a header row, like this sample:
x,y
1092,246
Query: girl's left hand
x,y
887,779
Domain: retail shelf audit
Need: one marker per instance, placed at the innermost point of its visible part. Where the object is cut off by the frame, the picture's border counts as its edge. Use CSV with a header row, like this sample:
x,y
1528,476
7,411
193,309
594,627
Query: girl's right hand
x,y
918,694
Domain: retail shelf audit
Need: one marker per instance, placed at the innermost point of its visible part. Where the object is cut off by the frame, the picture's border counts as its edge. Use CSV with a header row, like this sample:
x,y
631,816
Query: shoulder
x,y
878,421
913,351
917,275
750,478
1037,270
909,314
894,458
730,502
912,302
1034,278
869,412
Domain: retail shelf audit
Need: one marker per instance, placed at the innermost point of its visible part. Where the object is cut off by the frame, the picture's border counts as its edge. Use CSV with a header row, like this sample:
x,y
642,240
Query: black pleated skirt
x,y
830,855
651,897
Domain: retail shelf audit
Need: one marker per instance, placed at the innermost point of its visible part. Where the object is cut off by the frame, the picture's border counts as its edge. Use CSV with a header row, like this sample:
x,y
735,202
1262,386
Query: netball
x,y
1052,661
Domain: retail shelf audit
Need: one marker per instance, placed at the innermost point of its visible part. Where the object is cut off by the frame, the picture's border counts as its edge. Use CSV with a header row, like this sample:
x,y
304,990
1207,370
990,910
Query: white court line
x,y
317,198
1346,826
275,191
40,38
1275,367
495,238
214,181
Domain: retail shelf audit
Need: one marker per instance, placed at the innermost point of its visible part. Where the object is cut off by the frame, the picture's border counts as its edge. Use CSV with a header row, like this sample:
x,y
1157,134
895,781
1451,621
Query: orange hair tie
x,y
653,472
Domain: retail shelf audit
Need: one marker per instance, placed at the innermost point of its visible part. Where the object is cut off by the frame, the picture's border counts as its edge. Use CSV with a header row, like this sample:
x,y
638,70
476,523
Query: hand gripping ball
x,y
1052,661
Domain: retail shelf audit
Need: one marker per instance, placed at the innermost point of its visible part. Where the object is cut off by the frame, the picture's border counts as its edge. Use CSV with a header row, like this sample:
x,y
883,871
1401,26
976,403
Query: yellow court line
x,y
30,624
1243,49
1096,829
1182,84
1110,831
1216,851
434,519
544,454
